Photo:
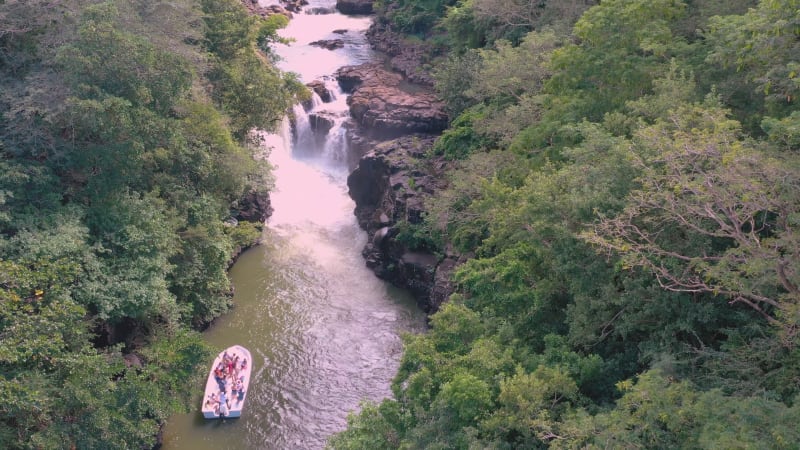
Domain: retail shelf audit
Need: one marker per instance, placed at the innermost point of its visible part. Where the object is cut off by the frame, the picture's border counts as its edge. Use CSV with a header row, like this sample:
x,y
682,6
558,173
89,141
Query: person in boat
x,y
223,404
212,401
219,376
244,364
239,388
235,367
234,389
229,367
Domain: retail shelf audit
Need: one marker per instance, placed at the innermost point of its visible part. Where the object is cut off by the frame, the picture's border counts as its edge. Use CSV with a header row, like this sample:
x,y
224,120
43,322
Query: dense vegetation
x,y
628,182
123,148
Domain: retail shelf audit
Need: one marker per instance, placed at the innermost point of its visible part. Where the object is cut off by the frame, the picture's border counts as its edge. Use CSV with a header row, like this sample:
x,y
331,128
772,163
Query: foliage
x,y
732,206
413,16
249,89
451,76
624,196
461,139
762,45
61,391
123,150
659,411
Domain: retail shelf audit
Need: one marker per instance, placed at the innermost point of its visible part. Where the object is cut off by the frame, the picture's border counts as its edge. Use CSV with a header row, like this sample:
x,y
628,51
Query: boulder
x,y
383,103
354,7
266,11
328,44
321,122
320,10
294,5
318,86
255,206
369,74
390,111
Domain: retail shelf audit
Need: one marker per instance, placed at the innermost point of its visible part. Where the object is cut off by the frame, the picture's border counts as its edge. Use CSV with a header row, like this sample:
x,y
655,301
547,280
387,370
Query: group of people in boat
x,y
228,372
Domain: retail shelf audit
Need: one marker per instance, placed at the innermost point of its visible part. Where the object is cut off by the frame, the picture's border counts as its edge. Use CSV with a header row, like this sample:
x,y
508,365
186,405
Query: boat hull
x,y
235,403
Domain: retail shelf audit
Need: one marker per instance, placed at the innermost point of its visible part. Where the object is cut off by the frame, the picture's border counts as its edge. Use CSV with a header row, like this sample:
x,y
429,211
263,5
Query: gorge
x,y
324,332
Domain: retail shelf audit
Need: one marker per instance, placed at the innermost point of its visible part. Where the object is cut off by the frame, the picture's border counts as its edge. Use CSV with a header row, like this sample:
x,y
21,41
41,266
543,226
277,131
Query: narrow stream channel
x,y
323,331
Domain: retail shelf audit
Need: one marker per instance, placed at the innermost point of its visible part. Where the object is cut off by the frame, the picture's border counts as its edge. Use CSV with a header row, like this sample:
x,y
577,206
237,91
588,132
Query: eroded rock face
x,y
395,117
405,57
369,74
255,206
321,122
354,7
389,187
384,104
389,110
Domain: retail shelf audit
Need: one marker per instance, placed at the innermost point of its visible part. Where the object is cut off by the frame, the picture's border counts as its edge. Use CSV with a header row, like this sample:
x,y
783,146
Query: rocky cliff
x,y
390,185
386,105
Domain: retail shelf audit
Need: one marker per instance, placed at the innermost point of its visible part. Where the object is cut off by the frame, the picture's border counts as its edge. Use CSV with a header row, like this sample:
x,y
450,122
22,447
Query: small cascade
x,y
333,88
278,145
304,137
319,130
316,100
336,146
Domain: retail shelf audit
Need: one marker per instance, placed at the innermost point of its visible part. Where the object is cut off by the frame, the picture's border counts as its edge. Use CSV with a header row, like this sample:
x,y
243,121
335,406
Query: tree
x,y
714,213
597,74
659,411
762,44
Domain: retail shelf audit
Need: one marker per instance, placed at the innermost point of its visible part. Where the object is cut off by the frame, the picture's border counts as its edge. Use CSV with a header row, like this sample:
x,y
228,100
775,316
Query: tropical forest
x,y
125,148
626,186
620,180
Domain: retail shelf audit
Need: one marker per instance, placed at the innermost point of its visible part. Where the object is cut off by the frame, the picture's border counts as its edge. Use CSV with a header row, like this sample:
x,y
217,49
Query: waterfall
x,y
304,138
336,146
320,134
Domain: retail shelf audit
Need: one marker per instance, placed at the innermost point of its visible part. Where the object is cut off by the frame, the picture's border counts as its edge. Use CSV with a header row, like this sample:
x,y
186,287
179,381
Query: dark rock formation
x,y
389,187
341,31
385,105
321,122
319,10
329,44
294,5
354,6
352,77
318,86
255,206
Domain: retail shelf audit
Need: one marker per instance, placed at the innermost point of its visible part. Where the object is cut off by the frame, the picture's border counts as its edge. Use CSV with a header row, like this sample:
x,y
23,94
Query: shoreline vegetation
x,y
127,187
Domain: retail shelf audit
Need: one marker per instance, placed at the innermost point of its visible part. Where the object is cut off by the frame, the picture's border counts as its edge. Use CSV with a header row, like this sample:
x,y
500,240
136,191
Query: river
x,y
323,331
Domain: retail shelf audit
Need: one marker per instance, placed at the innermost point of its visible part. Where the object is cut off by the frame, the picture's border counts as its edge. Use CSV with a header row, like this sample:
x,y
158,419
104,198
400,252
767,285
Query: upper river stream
x,y
323,331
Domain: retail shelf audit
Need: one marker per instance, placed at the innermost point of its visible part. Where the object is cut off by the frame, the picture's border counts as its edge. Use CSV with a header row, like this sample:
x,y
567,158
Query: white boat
x,y
234,398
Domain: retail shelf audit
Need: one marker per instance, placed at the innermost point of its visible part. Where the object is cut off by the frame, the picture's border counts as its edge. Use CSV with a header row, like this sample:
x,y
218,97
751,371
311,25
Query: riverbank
x,y
397,118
